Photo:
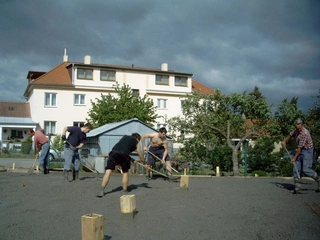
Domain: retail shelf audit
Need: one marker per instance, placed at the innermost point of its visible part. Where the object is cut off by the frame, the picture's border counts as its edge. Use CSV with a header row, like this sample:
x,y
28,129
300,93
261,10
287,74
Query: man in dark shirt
x,y
120,155
75,141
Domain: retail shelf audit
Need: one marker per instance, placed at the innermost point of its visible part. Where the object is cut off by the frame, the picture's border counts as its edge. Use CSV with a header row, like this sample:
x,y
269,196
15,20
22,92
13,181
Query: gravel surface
x,y
36,206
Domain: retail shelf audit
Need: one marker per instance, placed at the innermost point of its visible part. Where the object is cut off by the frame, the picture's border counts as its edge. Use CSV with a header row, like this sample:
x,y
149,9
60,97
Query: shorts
x,y
158,152
119,158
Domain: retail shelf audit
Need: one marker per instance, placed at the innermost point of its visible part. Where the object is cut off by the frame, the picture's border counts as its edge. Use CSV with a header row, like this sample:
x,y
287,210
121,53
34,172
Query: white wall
x,y
65,113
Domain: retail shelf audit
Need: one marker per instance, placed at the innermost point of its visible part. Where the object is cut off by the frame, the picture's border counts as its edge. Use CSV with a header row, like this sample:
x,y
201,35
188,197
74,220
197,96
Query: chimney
x,y
65,56
164,67
87,59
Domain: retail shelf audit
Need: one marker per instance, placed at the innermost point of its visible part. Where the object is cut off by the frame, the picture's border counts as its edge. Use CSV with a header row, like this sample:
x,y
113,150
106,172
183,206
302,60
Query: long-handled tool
x,y
160,161
170,178
294,163
91,168
31,170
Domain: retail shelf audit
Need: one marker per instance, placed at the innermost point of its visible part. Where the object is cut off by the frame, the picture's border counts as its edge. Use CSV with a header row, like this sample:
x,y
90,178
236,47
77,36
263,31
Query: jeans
x,y
43,157
304,163
70,157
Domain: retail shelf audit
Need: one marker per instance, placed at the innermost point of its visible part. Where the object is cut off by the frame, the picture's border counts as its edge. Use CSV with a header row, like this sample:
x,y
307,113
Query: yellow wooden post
x,y
217,172
184,182
92,226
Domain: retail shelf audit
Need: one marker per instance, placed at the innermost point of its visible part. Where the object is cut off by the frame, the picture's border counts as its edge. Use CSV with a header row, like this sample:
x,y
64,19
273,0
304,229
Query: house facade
x,y
62,96
15,121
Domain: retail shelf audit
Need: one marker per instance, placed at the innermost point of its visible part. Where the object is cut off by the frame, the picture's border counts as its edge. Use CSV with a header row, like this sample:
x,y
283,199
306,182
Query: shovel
x,y
294,163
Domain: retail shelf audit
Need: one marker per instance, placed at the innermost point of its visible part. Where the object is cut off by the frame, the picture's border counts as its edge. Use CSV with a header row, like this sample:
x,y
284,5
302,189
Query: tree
x,y
260,156
287,112
125,106
313,120
221,118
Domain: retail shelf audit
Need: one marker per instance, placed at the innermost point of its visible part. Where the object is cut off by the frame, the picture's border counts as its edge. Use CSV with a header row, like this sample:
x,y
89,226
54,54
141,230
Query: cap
x,y
298,121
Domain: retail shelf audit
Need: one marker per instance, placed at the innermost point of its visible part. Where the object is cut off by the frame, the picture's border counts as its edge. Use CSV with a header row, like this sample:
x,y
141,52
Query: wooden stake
x,y
128,203
184,182
92,227
217,171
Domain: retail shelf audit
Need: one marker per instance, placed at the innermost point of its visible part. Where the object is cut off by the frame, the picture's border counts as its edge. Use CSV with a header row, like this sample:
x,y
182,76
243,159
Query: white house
x,y
61,97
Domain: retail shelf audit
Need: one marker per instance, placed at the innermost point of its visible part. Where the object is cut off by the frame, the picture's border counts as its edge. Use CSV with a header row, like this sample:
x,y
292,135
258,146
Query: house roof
x,y
17,121
15,109
60,75
196,86
111,126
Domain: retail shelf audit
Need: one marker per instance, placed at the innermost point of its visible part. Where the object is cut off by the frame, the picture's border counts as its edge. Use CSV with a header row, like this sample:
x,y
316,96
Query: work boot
x,y
65,175
316,177
74,174
297,186
45,169
42,168
101,193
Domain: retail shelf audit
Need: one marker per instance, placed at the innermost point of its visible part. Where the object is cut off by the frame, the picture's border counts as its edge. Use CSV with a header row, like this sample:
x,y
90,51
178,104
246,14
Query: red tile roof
x,y
15,109
196,86
60,75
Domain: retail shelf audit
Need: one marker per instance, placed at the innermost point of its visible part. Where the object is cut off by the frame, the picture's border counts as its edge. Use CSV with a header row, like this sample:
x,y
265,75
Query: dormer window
x,y
107,75
162,80
180,81
85,73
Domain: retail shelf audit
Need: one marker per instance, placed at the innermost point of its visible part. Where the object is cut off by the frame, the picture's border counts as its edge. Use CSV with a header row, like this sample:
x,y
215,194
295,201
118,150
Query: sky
x,y
230,45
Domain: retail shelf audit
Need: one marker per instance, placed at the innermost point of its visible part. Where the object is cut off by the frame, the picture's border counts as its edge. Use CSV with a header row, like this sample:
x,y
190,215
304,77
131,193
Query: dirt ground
x,y
36,206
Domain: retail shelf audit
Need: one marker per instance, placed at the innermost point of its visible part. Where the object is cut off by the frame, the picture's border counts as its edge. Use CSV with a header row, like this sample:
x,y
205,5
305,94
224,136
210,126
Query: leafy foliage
x,y
313,120
126,105
57,143
287,112
260,154
219,118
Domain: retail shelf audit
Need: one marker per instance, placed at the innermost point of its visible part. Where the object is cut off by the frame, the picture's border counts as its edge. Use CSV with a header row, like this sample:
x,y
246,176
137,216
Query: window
x,y
162,103
182,102
85,73
162,79
79,99
107,75
180,81
135,92
16,134
78,124
50,100
50,127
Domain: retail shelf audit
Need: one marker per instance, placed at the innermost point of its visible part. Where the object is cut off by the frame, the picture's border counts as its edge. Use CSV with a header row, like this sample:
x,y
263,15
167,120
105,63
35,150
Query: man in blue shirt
x,y
76,139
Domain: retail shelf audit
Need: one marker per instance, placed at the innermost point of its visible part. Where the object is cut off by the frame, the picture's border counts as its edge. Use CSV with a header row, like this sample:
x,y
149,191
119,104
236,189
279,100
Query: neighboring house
x,y
62,96
15,121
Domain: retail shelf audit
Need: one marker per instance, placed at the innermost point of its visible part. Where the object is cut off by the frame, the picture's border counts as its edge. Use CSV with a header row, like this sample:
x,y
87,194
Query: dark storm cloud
x,y
231,45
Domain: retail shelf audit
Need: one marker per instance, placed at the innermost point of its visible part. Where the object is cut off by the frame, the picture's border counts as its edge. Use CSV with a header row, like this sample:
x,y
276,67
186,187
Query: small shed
x,y
101,140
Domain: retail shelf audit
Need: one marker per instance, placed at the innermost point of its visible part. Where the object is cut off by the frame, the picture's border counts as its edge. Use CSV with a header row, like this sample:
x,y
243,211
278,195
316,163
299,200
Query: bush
x,y
26,147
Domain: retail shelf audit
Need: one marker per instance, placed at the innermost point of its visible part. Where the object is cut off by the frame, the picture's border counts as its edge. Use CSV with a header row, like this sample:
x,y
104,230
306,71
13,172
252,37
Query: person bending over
x,y
120,155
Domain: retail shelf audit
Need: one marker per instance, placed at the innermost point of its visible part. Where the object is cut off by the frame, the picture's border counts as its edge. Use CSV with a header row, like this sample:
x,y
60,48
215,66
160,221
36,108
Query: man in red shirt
x,y
41,143
304,154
